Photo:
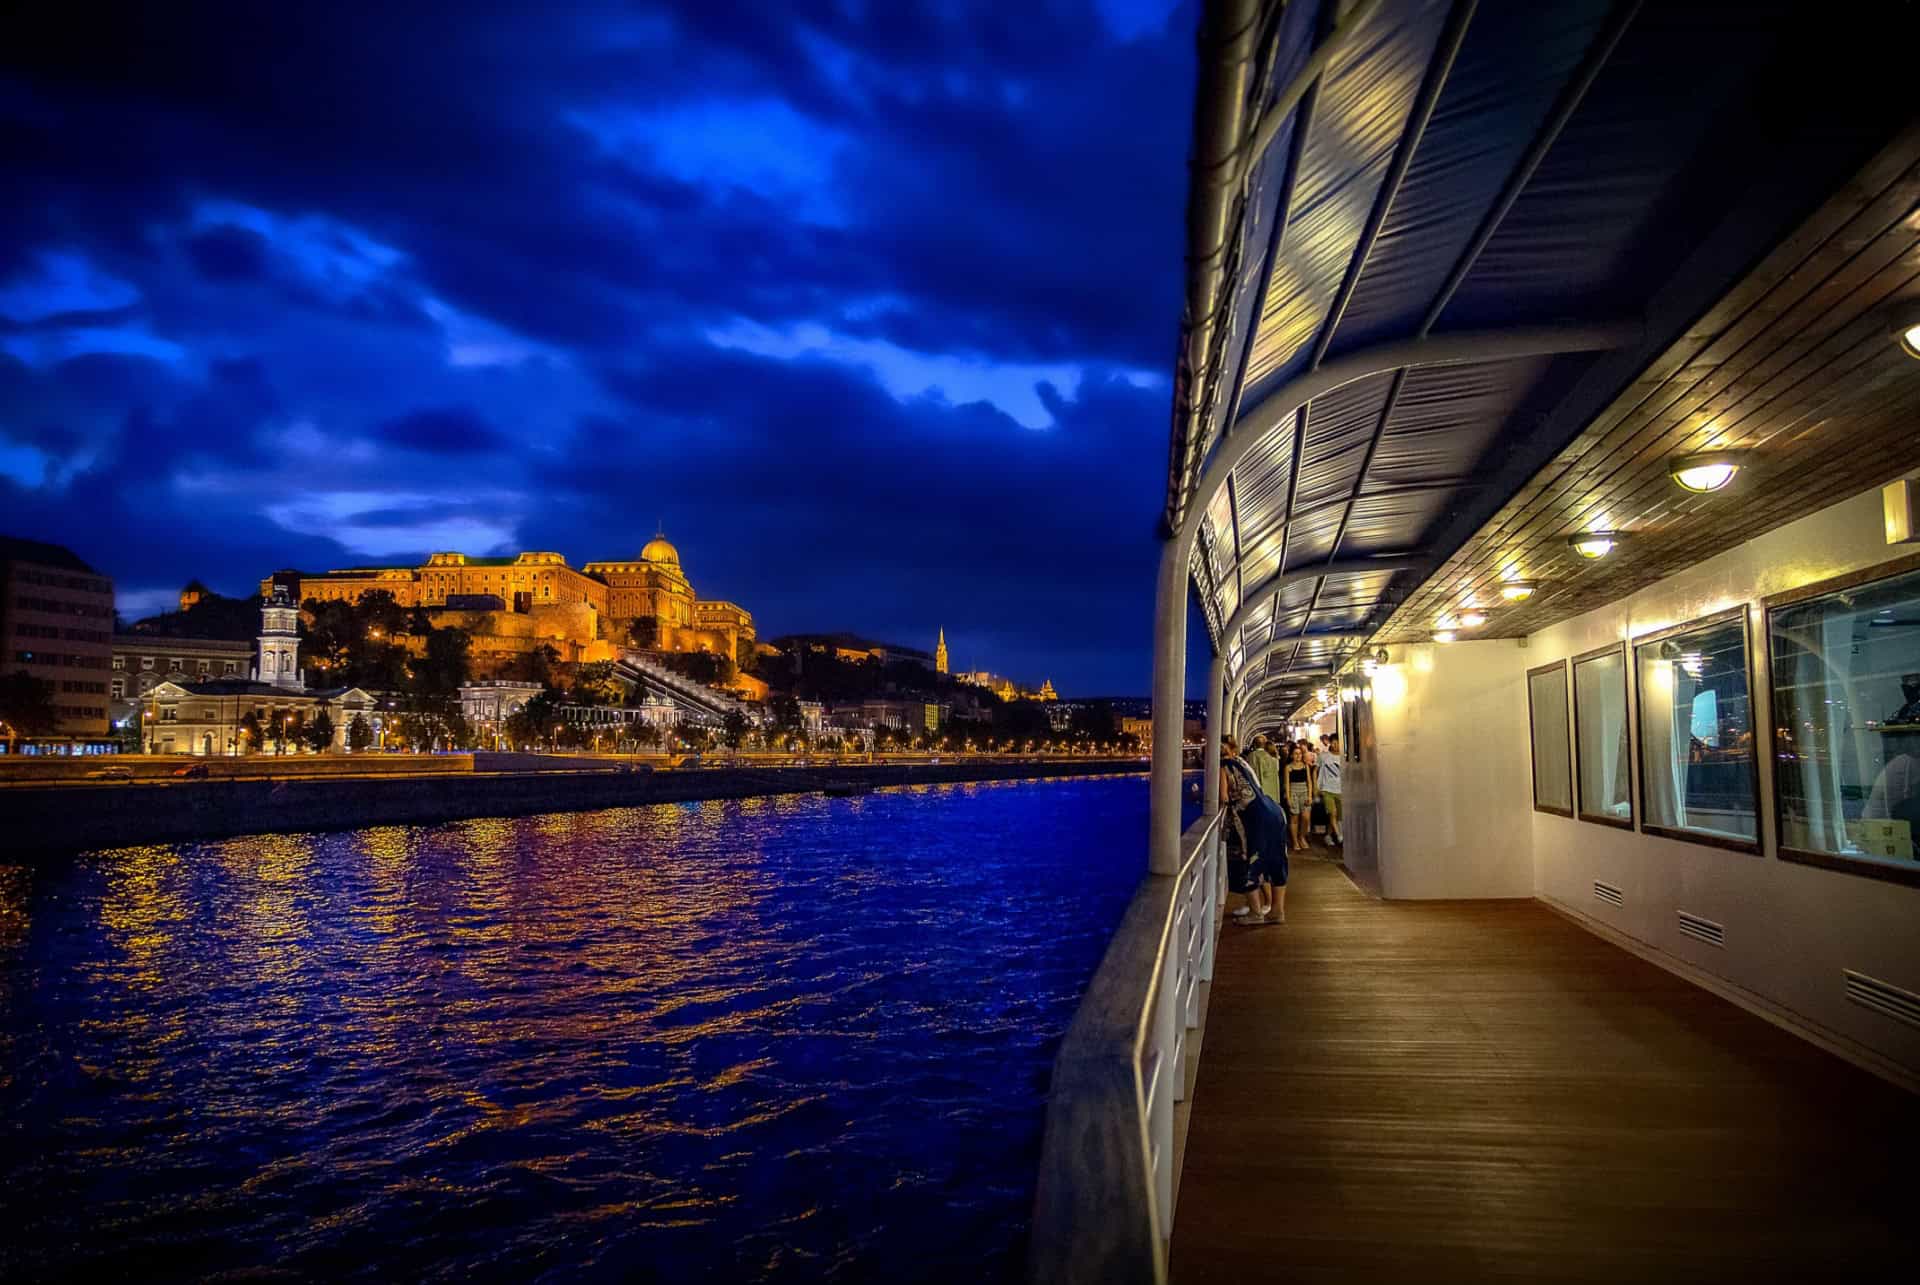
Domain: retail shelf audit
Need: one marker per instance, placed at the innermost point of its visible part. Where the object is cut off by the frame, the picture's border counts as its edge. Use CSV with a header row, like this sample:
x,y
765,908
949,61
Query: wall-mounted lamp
x,y
1594,544
1703,473
1518,590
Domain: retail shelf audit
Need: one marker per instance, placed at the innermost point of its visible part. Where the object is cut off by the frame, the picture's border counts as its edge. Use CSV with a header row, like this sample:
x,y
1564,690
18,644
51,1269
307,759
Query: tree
x,y
335,638
786,712
26,705
700,666
278,727
644,632
359,733
696,738
531,723
320,732
596,684
444,666
733,729
234,619
253,732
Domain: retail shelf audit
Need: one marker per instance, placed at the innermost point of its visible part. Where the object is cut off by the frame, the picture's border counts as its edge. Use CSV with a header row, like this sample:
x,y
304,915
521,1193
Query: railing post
x,y
1169,708
1212,875
1216,725
1167,1035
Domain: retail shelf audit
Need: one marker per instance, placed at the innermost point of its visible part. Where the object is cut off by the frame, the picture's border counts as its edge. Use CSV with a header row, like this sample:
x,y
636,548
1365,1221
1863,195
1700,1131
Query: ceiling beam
x,y
1464,348
1293,641
1216,209
1279,580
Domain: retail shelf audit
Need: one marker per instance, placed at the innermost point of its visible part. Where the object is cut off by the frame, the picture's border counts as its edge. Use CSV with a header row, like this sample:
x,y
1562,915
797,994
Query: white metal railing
x,y
1103,1207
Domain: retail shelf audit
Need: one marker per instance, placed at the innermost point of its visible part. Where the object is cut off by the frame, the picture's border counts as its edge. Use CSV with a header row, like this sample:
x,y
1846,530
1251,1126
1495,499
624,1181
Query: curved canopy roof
x,y
1434,242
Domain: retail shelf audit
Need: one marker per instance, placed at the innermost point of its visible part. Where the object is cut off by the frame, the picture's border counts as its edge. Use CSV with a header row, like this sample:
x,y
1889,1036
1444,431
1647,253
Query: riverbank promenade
x,y
1484,1090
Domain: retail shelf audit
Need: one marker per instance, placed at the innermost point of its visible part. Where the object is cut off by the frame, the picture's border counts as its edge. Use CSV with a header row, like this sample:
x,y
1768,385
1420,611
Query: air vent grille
x,y
1702,929
1883,997
1608,893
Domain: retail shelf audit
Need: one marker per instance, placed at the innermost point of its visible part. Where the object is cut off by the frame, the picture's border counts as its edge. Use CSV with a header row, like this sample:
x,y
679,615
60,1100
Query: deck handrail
x,y
1103,1206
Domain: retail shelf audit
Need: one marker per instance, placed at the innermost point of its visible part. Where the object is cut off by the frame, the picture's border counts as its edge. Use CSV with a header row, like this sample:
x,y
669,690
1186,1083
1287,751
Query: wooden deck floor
x,y
1483,1090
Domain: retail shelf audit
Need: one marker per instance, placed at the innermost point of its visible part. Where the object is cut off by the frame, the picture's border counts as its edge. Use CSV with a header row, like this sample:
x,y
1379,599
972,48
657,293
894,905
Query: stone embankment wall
x,y
160,767
51,820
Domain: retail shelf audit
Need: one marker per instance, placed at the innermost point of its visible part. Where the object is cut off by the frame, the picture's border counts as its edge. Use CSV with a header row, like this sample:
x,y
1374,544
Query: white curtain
x,y
1666,738
1820,729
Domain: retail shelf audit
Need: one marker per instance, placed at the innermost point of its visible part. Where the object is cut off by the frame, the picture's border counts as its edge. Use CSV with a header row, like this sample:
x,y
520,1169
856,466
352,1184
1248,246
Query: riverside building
x,y
56,625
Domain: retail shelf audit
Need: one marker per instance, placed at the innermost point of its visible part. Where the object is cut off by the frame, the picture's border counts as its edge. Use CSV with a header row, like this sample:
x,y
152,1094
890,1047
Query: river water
x,y
772,1039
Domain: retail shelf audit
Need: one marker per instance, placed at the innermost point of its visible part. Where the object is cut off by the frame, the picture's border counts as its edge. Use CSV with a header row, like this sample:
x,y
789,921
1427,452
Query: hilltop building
x,y
1008,690
600,602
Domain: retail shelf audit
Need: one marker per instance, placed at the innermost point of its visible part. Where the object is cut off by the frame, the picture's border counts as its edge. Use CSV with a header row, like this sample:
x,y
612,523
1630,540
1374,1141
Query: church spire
x,y
940,652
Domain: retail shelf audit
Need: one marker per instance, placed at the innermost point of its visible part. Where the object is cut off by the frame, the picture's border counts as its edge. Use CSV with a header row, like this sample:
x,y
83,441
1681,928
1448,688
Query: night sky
x,y
872,305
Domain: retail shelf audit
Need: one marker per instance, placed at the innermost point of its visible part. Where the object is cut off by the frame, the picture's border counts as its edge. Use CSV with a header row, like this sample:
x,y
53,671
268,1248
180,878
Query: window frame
x,y
1566,729
1753,846
1905,565
1620,649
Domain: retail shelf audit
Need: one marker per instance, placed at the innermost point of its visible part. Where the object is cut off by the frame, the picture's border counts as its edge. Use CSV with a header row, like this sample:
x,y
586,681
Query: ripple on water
x,y
765,1040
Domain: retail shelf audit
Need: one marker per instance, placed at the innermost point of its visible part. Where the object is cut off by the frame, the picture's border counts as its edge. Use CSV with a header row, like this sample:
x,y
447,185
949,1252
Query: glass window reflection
x,y
1698,764
1846,714
1600,737
1552,766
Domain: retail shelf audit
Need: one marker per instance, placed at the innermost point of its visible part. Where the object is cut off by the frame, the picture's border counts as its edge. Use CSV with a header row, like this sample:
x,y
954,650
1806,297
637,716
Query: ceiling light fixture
x,y
1594,544
1444,635
1518,590
1471,618
1703,473
1906,327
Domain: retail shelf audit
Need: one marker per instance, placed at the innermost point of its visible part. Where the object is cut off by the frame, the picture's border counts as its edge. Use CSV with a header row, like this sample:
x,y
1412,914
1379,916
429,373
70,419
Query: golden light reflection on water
x,y
142,912
682,1015
16,886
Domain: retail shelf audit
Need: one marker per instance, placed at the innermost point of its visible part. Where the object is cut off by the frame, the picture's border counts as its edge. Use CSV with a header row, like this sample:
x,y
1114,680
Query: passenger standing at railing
x,y
1256,835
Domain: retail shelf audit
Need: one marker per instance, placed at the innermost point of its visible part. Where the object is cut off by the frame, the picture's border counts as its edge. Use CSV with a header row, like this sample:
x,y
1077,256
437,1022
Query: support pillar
x,y
1169,708
1216,725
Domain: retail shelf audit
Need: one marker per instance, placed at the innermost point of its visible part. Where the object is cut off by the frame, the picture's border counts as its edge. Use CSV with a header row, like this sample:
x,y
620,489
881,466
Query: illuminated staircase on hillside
x,y
691,697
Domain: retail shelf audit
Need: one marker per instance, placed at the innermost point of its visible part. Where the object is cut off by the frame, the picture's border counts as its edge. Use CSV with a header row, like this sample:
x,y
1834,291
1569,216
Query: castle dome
x,y
658,550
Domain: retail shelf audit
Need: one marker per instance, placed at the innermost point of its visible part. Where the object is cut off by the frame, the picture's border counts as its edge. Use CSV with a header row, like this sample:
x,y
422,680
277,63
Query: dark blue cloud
x,y
871,304
228,253
451,430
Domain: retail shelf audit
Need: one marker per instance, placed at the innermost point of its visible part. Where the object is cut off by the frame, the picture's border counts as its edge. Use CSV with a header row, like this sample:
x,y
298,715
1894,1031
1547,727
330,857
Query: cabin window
x,y
1699,771
1602,752
1547,719
1845,662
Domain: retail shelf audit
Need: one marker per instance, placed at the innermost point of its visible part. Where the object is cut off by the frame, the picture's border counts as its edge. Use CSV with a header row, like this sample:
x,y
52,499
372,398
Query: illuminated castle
x,y
601,600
